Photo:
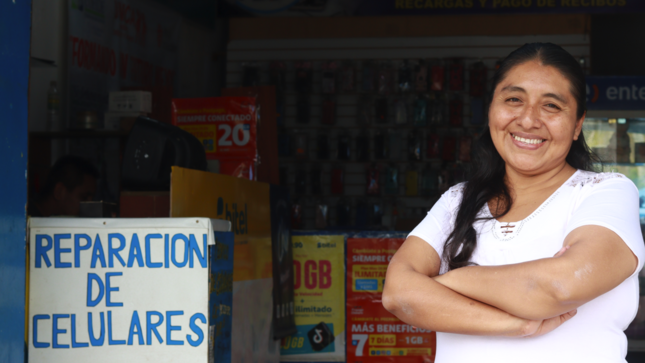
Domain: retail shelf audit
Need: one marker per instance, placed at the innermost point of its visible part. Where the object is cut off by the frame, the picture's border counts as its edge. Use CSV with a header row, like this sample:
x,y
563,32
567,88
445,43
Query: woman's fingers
x,y
562,251
548,325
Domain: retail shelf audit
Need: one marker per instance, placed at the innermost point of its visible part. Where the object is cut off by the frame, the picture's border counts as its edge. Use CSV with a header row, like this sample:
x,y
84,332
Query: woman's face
x,y
533,118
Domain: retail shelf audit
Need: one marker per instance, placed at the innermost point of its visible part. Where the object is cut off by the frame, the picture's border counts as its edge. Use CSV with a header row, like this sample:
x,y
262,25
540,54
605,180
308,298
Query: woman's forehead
x,y
533,76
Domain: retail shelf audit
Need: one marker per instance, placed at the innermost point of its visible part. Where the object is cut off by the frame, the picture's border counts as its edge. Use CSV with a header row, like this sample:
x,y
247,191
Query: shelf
x,y
80,134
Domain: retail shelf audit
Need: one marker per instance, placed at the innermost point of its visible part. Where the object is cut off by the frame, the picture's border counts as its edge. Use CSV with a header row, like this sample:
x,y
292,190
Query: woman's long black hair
x,y
487,180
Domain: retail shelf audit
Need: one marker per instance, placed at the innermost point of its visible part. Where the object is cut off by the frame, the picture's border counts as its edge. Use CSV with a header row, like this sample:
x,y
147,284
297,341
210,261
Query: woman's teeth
x,y
528,141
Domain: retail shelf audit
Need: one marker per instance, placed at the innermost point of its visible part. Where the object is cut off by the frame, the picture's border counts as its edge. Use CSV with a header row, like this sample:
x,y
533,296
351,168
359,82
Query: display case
x,y
618,139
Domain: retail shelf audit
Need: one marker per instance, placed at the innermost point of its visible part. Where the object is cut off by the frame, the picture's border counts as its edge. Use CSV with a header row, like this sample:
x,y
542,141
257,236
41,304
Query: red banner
x,y
226,126
374,334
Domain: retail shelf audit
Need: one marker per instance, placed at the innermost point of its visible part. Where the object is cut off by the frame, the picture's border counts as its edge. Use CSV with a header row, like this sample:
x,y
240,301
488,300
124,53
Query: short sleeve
x,y
436,226
613,204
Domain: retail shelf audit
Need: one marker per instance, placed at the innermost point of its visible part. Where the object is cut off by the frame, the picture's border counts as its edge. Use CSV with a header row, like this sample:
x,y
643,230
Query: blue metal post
x,y
15,35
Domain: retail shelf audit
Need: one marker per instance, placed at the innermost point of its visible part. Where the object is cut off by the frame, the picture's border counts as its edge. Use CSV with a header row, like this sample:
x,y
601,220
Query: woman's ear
x,y
578,128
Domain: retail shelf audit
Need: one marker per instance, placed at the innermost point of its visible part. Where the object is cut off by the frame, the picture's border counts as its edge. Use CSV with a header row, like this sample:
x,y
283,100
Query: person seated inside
x,y
72,180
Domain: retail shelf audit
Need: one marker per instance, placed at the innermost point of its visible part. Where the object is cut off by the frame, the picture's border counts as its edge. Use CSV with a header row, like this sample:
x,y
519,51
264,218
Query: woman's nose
x,y
529,118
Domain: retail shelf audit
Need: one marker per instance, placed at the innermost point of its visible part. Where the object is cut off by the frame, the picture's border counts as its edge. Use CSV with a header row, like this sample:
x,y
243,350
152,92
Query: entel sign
x,y
615,93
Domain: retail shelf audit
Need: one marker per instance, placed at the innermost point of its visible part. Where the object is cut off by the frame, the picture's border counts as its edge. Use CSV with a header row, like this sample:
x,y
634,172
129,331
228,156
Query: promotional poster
x,y
319,293
374,334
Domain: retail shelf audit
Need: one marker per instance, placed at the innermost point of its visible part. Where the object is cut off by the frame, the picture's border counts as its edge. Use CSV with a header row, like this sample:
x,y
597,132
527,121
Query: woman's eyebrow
x,y
512,88
556,96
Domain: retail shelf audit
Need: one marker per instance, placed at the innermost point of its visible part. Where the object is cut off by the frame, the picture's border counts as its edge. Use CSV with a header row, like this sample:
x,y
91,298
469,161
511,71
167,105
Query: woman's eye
x,y
513,99
552,105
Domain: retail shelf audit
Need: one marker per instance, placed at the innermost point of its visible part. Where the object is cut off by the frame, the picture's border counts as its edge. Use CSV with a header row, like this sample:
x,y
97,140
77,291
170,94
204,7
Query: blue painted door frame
x,y
15,35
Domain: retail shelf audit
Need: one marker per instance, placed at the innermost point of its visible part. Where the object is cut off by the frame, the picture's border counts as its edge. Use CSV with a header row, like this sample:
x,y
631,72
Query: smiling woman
x,y
535,244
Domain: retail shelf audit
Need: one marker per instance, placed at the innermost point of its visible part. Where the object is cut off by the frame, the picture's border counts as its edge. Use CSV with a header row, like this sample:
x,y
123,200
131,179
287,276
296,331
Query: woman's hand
x,y
536,328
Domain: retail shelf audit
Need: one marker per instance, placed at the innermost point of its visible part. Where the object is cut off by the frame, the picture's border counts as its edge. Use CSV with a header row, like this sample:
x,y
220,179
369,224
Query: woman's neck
x,y
519,182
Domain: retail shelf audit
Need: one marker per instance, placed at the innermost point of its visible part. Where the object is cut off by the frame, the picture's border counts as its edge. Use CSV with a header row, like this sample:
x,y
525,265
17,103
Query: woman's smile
x,y
529,142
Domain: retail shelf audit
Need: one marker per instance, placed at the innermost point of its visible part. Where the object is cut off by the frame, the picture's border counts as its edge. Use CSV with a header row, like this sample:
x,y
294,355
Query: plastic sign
x,y
106,290
375,335
615,93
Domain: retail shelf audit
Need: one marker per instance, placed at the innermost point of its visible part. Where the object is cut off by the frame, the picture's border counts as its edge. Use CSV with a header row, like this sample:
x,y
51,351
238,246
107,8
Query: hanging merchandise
x,y
337,180
344,147
432,147
301,181
373,180
376,214
397,144
304,75
300,146
478,79
362,214
284,144
414,145
391,186
322,146
297,219
465,148
449,148
385,79
328,111
365,112
456,76
476,111
444,180
278,78
302,109
362,147
421,77
456,107
316,181
437,78
343,210
368,74
380,109
420,111
429,181
347,77
411,182
329,77
438,110
405,77
250,75
322,215
381,145
400,111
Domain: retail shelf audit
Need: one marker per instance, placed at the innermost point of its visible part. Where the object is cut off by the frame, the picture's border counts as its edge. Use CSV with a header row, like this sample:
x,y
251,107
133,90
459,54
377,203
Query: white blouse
x,y
595,334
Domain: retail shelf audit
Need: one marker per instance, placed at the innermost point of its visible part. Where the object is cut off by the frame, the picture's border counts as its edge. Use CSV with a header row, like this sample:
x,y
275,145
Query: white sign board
x,y
119,290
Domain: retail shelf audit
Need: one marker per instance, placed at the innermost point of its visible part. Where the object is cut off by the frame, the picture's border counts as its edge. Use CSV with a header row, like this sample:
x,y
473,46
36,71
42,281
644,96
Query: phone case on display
x,y
301,181
414,145
344,147
437,78
432,148
362,214
437,115
373,182
250,75
456,79
343,210
421,77
347,77
322,146
411,182
429,182
478,79
400,111
376,214
329,77
362,147
476,111
316,181
465,148
444,180
284,144
397,144
385,79
391,186
300,146
329,111
381,145
304,77
449,148
420,111
365,110
337,180
322,216
456,111
284,176
405,77
297,218
380,109
367,77
302,109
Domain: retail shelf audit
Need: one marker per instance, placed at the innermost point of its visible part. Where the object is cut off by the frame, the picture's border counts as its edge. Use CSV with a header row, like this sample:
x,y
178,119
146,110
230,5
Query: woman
x,y
535,245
